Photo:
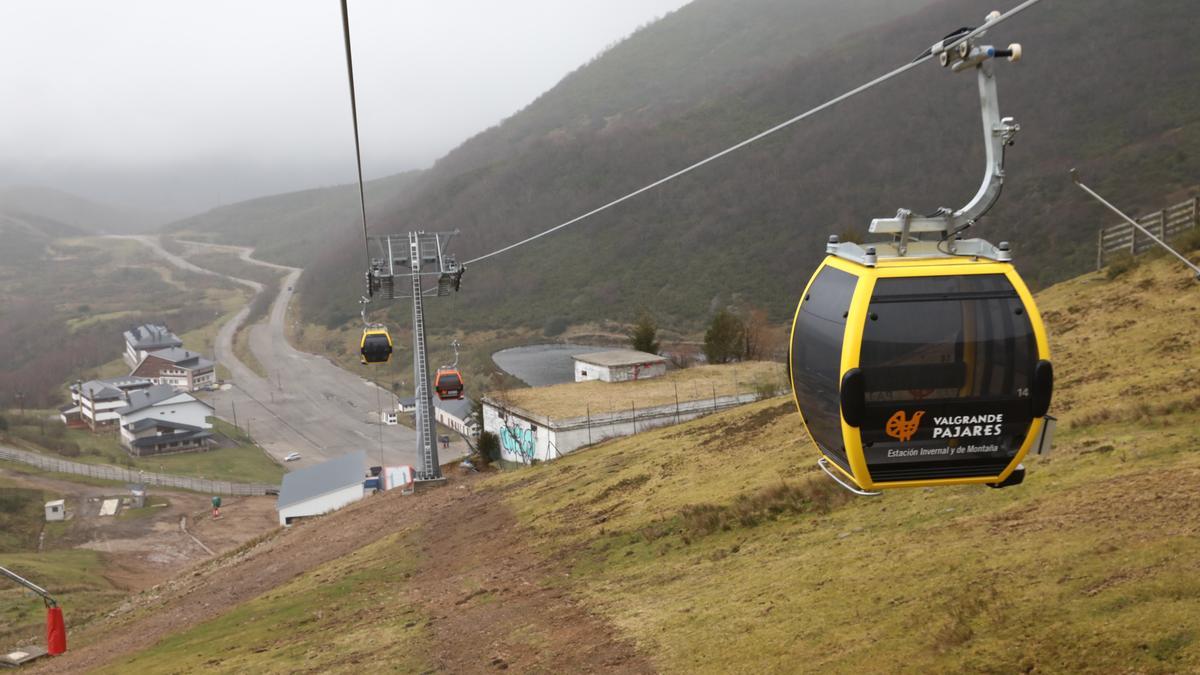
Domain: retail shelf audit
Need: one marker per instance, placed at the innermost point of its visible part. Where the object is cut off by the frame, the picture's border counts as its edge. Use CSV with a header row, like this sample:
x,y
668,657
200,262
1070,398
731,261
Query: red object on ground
x,y
56,631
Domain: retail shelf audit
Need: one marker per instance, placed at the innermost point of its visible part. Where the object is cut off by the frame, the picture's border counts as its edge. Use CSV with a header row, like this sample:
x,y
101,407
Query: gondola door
x,y
947,367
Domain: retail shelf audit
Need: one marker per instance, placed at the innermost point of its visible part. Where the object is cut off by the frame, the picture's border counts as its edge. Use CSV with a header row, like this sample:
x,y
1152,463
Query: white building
x,y
95,403
56,510
161,402
619,365
526,436
147,338
456,414
322,488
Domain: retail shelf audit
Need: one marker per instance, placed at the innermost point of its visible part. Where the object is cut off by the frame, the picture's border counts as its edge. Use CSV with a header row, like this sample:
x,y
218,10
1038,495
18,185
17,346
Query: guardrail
x,y
1165,224
116,473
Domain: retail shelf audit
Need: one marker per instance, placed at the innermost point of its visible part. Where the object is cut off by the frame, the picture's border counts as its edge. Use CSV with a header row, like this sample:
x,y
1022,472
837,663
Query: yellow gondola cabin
x,y
376,345
920,370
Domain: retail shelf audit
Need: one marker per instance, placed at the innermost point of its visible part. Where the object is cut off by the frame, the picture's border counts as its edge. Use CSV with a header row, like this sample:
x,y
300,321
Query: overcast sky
x,y
183,105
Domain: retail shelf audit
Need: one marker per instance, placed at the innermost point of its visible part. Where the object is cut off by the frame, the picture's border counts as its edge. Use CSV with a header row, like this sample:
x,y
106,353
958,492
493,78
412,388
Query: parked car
x,y
291,457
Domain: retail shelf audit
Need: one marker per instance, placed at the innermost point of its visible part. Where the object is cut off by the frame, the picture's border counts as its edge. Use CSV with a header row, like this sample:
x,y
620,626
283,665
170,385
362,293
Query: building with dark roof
x,y
455,414
183,369
94,404
163,403
322,488
149,436
147,338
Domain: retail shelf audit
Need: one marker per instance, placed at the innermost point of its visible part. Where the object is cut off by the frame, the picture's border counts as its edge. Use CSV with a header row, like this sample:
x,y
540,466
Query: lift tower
x,y
397,267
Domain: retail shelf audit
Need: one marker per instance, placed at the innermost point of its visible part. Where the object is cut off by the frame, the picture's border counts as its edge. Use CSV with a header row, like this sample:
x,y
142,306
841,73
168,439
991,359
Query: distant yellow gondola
x,y
376,345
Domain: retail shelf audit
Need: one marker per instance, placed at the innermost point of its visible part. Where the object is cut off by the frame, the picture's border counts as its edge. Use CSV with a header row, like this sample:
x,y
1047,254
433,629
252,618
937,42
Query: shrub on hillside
x,y
749,510
487,448
724,339
1120,264
555,326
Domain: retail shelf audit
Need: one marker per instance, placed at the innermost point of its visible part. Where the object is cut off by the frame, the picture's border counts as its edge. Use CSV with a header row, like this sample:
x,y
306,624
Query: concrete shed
x,y
56,510
322,488
619,365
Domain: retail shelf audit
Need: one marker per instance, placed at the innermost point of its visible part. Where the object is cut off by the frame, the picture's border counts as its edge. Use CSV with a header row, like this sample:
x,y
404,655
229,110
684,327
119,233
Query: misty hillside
x,y
750,228
289,228
56,213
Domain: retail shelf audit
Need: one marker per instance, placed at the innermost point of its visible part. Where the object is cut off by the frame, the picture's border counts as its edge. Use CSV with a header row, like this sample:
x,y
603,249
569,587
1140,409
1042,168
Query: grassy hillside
x,y
749,229
716,546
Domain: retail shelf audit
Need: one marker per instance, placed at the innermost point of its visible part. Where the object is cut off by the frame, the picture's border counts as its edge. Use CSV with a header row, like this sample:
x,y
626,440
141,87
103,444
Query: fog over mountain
x,y
178,108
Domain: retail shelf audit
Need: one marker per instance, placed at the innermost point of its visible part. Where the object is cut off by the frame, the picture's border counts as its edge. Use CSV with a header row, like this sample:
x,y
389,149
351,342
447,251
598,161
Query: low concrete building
x,y
56,510
406,404
544,423
619,365
146,338
183,369
322,488
455,414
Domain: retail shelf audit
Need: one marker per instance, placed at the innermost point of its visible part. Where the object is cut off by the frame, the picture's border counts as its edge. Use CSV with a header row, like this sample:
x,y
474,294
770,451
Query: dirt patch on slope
x,y
494,601
497,604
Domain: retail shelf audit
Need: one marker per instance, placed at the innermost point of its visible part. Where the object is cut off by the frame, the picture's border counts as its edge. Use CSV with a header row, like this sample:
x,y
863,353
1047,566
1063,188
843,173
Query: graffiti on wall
x,y
518,441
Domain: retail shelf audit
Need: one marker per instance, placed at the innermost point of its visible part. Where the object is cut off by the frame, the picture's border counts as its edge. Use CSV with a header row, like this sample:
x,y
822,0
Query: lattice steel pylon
x,y
409,255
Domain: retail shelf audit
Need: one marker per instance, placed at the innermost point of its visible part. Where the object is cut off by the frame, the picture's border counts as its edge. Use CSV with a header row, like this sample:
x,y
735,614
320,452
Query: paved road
x,y
308,404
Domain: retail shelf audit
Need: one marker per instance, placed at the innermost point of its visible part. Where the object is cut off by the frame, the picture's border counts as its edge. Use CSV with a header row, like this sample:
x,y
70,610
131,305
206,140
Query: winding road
x,y
308,404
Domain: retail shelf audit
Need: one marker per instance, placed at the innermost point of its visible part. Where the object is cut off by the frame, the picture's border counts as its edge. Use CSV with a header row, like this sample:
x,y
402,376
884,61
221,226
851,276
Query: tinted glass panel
x,y
817,356
947,363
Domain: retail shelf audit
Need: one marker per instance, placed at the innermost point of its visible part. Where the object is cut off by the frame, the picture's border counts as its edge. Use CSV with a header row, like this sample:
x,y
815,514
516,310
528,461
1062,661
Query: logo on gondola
x,y
900,427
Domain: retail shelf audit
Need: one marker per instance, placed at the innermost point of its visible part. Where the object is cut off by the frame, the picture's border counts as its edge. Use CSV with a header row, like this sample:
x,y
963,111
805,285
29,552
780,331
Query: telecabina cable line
x,y
959,396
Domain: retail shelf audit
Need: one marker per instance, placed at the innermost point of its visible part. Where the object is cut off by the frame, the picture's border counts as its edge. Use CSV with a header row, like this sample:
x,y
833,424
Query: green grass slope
x,y
715,546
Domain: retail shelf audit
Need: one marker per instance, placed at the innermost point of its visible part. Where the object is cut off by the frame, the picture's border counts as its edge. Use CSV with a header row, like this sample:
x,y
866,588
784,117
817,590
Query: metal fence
x,y
1165,224
116,473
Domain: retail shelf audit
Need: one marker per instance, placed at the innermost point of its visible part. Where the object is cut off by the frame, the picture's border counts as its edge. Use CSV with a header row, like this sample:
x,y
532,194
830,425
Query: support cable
x,y
362,199
944,45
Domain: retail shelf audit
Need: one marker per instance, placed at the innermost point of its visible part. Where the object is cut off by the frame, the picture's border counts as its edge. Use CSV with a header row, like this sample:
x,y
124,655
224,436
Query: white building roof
x,y
314,481
56,502
459,408
619,357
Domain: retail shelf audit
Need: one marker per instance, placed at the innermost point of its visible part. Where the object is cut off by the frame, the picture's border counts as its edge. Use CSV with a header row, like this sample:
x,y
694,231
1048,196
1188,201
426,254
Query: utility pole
x,y
233,405
21,398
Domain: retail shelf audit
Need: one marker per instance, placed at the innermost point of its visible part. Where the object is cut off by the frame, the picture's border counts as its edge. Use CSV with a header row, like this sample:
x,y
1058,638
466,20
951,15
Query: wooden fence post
x,y
1100,250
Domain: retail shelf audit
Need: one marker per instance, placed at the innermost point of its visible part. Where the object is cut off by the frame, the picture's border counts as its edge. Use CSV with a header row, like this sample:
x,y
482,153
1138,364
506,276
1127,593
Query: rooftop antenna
x,y
958,55
1136,224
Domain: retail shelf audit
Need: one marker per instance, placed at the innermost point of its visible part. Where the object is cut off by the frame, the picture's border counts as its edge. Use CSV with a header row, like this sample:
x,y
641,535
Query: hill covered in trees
x,y
1109,87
